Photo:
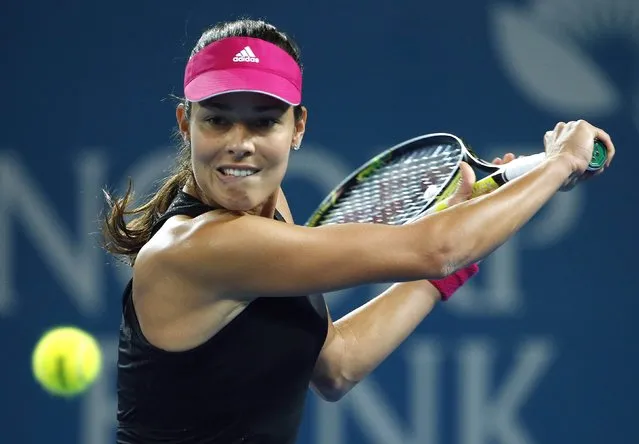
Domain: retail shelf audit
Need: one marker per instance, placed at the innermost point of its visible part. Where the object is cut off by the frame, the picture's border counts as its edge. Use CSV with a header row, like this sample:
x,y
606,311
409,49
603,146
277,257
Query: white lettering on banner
x,y
487,419
378,421
98,416
425,358
75,262
481,418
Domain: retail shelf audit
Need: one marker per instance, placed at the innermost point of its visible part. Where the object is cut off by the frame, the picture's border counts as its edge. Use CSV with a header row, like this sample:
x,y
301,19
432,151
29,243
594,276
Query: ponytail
x,y
122,238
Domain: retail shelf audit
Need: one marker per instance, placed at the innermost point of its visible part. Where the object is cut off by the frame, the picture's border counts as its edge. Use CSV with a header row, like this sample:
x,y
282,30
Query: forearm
x,y
373,331
471,230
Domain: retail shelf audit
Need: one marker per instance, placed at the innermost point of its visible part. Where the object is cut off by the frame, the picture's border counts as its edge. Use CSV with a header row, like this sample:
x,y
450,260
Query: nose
x,y
240,143
240,151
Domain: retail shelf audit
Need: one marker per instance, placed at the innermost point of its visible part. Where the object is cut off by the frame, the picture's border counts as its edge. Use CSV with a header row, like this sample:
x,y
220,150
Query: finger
x,y
559,127
467,180
603,137
509,157
464,189
497,161
548,137
590,174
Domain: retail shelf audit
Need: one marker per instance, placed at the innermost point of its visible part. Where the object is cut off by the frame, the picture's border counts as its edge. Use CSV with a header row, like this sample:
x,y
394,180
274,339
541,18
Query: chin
x,y
245,204
244,208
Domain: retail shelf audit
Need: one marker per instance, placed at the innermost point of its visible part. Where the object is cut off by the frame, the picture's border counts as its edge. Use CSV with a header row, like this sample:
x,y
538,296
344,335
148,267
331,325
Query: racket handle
x,y
520,166
599,157
512,170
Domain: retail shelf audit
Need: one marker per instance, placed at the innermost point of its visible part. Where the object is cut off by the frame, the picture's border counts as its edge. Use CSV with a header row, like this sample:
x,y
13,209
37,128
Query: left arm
x,y
357,343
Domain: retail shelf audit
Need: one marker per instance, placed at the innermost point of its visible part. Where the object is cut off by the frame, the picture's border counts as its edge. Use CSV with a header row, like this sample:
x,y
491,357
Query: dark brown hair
x,y
124,238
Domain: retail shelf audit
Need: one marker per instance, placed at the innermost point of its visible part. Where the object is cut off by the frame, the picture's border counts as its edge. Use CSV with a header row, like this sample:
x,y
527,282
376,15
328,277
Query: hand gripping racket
x,y
416,176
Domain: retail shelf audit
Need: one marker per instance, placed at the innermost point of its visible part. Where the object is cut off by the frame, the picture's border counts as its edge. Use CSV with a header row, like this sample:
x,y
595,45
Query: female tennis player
x,y
224,325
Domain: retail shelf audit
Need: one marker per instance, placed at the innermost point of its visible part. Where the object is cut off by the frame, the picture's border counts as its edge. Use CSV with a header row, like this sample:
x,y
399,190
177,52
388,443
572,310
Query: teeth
x,y
237,172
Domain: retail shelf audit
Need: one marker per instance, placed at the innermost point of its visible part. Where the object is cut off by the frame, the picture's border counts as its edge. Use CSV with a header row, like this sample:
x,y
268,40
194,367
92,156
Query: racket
x,y
416,177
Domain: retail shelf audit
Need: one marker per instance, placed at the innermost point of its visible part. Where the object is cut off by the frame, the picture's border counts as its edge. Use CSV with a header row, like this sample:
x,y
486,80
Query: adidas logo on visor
x,y
246,55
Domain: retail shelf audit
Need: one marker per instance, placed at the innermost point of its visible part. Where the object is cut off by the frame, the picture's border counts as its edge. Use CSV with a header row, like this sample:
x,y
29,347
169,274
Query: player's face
x,y
240,145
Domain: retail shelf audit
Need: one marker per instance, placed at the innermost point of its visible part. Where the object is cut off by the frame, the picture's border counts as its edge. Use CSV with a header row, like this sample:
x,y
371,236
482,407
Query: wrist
x,y
563,165
450,284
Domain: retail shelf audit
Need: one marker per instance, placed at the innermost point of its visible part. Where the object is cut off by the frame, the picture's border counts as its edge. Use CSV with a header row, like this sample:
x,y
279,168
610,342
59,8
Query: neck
x,y
265,209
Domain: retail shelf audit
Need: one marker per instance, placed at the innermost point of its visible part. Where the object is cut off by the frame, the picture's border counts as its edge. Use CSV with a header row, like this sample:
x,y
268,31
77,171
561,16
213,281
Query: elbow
x,y
440,266
445,254
333,389
331,395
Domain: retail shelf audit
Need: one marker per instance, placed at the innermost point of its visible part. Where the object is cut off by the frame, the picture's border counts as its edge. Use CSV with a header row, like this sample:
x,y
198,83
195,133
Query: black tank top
x,y
246,384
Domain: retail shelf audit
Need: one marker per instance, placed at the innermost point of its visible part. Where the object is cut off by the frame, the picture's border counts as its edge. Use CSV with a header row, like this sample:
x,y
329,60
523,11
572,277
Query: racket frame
x,y
376,162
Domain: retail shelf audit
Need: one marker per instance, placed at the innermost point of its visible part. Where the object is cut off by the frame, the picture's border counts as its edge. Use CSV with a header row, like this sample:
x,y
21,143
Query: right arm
x,y
250,255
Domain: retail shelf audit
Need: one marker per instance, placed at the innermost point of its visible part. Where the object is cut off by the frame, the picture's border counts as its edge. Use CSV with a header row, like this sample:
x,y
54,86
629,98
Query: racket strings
x,y
399,190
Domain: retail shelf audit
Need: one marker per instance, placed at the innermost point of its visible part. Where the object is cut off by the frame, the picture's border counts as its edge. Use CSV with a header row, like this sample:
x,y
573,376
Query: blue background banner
x,y
541,347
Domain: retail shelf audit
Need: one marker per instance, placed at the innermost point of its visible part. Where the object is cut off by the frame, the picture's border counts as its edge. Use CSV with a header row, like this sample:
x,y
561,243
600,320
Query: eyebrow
x,y
260,108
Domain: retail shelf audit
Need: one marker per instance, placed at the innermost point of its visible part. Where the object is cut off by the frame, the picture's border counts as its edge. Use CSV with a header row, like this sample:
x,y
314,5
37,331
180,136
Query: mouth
x,y
237,171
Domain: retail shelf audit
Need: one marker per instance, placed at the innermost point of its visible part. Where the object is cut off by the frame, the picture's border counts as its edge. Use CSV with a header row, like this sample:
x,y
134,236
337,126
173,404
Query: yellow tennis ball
x,y
66,361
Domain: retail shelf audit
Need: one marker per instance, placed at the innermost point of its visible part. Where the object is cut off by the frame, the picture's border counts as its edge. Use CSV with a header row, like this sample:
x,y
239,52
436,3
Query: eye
x,y
217,121
265,122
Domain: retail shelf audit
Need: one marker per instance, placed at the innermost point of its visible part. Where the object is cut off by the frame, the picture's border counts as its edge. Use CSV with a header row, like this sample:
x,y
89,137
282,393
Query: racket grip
x,y
512,170
522,165
599,156
519,167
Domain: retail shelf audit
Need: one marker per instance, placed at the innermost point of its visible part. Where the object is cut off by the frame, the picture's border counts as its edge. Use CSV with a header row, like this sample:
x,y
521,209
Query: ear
x,y
183,122
300,128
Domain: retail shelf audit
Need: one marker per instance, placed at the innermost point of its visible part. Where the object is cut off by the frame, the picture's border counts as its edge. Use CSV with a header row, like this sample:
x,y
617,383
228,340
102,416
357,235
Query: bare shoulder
x,y
237,256
170,253
176,312
183,239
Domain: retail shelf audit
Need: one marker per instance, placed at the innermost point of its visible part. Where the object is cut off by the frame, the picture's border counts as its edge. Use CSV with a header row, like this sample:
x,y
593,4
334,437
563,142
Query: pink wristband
x,y
450,284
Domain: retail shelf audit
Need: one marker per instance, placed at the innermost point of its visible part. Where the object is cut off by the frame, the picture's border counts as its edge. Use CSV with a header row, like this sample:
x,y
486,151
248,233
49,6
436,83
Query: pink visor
x,y
243,64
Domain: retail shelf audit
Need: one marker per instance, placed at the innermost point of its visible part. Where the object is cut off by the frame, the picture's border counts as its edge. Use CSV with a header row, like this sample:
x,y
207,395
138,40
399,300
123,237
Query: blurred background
x,y
541,347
